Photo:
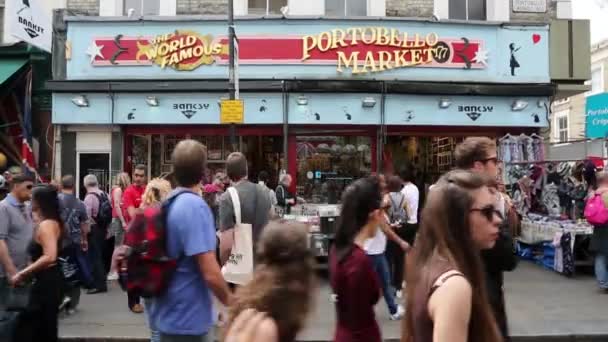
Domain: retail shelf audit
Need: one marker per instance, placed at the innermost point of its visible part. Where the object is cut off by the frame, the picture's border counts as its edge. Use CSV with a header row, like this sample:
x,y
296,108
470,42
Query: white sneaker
x,y
399,294
113,276
399,314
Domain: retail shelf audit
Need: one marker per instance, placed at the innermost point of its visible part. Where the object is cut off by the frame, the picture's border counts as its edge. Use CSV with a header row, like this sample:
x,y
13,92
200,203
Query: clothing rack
x,y
551,161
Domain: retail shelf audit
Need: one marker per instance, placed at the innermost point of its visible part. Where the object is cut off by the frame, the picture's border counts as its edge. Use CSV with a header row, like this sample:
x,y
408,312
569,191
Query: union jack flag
x,y
27,154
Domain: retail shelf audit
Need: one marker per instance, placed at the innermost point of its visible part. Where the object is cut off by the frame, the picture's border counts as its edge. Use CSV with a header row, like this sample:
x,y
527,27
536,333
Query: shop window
x,y
346,8
266,7
468,9
326,165
142,7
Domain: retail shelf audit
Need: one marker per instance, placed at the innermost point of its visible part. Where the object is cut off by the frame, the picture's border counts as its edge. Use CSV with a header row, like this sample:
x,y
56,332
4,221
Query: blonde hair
x,y
122,180
156,191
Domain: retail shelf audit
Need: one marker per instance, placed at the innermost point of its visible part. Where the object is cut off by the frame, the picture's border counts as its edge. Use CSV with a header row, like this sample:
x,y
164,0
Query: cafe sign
x,y
358,50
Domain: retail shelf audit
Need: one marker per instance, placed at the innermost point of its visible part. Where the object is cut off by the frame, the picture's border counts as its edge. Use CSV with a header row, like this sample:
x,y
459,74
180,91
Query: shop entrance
x,y
97,164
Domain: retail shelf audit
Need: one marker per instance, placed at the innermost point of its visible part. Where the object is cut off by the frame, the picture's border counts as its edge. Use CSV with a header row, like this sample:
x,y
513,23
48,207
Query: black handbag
x,y
18,298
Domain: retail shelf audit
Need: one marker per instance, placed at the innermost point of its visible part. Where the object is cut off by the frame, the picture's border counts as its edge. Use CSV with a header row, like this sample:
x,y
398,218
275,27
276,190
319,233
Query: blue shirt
x,y
186,308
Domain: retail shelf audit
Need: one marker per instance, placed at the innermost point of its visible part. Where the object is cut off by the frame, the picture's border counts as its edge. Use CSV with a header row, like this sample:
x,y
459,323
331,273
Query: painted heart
x,y
536,38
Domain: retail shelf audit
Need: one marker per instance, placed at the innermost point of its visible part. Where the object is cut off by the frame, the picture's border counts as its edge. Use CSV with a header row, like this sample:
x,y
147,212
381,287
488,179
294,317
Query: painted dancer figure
x,y
513,63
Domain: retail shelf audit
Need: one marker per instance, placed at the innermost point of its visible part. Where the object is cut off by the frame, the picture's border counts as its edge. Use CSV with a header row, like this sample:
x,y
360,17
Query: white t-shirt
x,y
412,197
375,245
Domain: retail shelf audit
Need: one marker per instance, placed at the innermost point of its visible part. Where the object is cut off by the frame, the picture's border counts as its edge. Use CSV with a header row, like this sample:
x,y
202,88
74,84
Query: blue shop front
x,y
327,100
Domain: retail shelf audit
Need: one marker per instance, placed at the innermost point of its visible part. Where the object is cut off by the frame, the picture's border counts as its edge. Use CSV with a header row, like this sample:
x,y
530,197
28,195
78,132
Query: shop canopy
x,y
9,70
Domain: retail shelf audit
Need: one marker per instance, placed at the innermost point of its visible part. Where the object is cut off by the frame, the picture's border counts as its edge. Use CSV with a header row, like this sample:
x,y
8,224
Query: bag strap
x,y
236,204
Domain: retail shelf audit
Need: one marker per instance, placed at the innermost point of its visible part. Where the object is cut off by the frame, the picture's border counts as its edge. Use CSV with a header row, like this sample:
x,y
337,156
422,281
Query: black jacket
x,y
283,195
497,260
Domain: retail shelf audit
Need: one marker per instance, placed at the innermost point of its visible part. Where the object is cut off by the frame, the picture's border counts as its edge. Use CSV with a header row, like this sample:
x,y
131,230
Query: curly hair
x,y
156,191
283,283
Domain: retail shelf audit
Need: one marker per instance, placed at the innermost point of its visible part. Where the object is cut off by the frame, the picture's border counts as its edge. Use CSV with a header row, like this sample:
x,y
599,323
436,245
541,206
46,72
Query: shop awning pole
x,y
285,129
231,75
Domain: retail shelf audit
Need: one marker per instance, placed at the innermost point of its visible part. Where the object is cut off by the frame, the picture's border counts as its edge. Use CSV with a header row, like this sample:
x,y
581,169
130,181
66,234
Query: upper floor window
x,y
468,9
266,7
142,7
560,128
597,81
346,8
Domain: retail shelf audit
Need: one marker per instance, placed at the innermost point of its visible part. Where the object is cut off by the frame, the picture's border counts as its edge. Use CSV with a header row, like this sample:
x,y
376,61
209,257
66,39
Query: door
x,y
97,164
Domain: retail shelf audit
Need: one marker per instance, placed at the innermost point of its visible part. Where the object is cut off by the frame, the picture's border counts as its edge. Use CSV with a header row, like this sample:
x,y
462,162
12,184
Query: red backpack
x,y
149,267
596,212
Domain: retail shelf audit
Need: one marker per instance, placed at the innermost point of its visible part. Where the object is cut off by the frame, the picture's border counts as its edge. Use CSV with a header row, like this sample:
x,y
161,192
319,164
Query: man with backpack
x,y
75,244
99,211
184,310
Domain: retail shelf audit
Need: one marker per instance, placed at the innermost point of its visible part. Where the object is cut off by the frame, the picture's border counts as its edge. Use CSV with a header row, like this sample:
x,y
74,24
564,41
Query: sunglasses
x,y
488,212
487,160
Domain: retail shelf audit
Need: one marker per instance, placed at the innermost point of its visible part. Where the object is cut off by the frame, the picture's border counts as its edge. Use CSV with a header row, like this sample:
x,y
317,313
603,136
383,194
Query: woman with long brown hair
x,y
283,283
445,270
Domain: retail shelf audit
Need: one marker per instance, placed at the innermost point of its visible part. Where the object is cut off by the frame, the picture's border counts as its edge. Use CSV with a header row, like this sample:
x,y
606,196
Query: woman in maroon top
x,y
446,295
353,279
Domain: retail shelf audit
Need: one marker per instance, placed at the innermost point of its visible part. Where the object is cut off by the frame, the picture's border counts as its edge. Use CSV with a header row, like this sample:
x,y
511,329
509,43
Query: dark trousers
x,y
97,238
108,250
396,256
133,298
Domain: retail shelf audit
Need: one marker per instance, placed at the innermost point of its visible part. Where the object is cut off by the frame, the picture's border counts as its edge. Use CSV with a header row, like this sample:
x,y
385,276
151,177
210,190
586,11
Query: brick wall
x,y
409,8
185,7
84,7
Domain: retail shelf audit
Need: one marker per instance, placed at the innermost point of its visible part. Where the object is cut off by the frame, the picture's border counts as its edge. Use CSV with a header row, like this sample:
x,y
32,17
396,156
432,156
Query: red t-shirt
x,y
132,198
358,289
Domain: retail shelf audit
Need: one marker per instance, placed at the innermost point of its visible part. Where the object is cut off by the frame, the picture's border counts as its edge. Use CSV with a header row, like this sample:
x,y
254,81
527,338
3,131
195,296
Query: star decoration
x,y
94,50
481,57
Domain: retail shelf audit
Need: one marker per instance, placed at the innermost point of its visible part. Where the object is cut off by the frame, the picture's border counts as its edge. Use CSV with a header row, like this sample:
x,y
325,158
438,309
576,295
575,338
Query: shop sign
x,y
475,112
375,49
30,21
530,6
190,109
359,49
231,111
597,116
181,50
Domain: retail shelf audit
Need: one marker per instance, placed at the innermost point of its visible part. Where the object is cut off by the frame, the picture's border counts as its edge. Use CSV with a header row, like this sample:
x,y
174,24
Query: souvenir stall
x,y
549,196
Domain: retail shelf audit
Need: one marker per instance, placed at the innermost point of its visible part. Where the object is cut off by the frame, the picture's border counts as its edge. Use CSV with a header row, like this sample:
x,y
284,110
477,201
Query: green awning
x,y
9,69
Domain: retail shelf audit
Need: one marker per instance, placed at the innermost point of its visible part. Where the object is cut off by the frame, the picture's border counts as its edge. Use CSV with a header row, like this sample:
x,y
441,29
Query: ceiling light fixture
x,y
445,103
519,105
152,101
80,101
368,102
302,100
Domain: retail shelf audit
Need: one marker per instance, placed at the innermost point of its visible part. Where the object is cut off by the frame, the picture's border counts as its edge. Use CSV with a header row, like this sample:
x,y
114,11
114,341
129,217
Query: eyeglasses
x,y
493,159
488,212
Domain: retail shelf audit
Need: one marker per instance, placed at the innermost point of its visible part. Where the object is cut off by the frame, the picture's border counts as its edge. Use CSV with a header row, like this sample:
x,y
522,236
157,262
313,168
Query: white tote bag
x,y
239,267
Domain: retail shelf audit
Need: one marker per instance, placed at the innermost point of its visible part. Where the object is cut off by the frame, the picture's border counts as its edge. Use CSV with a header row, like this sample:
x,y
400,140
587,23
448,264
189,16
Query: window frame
x,y
368,4
267,12
599,69
557,132
490,10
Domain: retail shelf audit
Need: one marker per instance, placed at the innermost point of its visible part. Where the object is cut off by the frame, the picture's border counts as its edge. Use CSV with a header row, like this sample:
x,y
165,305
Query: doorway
x,y
97,164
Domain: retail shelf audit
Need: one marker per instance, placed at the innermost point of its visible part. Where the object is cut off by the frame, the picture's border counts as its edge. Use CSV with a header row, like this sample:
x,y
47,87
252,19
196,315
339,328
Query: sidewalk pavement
x,y
542,306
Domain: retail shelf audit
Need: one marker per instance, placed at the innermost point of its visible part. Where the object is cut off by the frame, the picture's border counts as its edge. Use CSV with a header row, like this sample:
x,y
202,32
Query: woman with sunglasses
x,y
447,297
39,321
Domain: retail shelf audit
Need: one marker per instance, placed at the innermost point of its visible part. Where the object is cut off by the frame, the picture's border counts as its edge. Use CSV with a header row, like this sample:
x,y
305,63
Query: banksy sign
x,y
30,21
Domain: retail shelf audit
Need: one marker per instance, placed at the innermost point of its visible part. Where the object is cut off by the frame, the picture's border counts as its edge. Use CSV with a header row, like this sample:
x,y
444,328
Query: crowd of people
x,y
450,266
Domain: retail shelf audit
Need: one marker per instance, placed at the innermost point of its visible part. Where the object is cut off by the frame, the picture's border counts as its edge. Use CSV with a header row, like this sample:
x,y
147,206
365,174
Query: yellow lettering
x,y
417,42
416,57
152,52
308,43
190,41
174,59
395,38
185,54
370,63
163,49
400,60
432,39
324,41
338,38
353,59
217,48
429,55
174,45
383,36
164,61
368,38
198,51
406,41
353,35
384,60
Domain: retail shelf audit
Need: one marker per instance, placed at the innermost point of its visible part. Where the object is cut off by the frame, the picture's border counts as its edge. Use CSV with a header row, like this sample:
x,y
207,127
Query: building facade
x,y
575,132
327,99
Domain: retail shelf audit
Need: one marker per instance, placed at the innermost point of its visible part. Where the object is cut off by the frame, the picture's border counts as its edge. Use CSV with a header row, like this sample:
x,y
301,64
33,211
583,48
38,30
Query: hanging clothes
x,y
558,263
550,200
567,242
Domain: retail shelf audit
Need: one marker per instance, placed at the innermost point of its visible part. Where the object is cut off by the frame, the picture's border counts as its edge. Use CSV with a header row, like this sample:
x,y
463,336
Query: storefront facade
x,y
327,100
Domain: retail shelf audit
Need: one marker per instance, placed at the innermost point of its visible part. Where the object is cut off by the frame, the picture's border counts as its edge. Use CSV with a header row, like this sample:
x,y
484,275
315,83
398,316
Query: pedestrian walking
x,y
16,231
156,192
131,201
75,243
283,284
184,312
263,181
599,240
119,222
355,283
479,155
97,204
398,217
447,298
410,229
39,320
285,198
254,203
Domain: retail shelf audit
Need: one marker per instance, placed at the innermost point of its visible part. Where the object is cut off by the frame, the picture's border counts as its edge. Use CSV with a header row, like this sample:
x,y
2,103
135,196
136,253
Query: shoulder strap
x,y
236,204
443,278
